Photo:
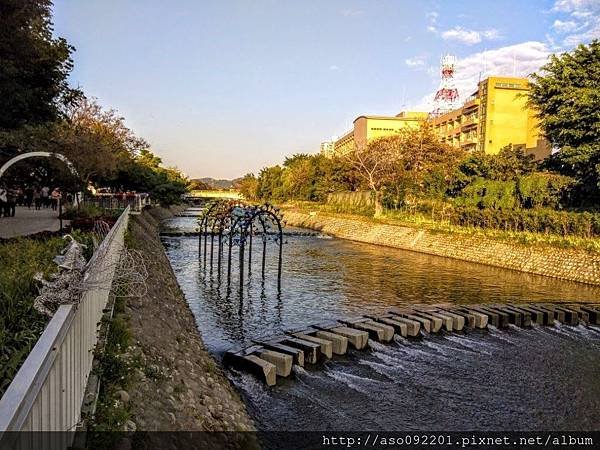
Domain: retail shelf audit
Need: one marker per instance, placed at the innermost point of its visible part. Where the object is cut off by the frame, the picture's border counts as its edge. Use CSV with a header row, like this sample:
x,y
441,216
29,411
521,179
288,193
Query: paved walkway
x,y
29,221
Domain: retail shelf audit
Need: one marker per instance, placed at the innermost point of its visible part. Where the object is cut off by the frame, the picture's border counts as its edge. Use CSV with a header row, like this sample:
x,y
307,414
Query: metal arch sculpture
x,y
273,216
27,155
214,221
239,223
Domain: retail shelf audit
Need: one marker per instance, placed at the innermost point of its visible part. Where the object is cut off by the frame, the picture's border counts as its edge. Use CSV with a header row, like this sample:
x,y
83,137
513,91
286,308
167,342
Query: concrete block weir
x,y
273,357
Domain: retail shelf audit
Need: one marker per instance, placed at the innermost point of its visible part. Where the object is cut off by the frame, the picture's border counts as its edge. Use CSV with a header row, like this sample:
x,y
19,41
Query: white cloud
x,y
470,37
582,20
565,27
333,67
592,32
519,60
574,5
415,62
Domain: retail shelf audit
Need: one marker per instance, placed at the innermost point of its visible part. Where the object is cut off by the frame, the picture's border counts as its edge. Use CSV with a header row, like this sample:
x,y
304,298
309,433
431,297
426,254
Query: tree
x,y
406,163
144,173
247,186
566,94
374,163
583,165
299,176
34,65
510,163
270,183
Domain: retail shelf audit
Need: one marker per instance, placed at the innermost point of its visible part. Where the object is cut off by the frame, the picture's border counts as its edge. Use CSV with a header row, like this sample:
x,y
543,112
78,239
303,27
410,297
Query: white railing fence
x,y
113,201
48,390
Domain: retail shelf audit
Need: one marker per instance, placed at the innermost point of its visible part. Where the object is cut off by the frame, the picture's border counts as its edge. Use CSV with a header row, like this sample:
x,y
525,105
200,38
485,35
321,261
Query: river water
x,y
534,379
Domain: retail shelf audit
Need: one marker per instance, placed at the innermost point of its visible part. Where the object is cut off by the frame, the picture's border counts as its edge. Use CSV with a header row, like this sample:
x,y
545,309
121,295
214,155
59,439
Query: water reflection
x,y
326,278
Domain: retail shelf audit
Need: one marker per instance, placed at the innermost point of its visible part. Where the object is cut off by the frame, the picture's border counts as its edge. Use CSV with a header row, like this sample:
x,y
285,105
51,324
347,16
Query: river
x,y
518,379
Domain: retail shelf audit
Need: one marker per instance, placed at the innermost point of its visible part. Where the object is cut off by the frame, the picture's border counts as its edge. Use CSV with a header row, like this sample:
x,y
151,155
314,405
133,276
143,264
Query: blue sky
x,y
220,88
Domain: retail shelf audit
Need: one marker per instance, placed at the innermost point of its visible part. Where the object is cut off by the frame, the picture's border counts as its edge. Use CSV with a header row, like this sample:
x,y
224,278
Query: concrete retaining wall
x,y
568,264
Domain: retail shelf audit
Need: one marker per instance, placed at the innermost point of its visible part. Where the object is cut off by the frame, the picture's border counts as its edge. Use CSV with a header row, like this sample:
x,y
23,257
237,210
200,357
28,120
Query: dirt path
x,y
189,390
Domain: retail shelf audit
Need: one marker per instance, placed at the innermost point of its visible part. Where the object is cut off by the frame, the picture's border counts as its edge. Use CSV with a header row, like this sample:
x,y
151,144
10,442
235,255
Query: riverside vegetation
x,y
415,178
23,260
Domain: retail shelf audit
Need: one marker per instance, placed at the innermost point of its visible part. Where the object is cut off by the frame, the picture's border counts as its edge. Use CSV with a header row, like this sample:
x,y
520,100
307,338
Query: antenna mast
x,y
446,97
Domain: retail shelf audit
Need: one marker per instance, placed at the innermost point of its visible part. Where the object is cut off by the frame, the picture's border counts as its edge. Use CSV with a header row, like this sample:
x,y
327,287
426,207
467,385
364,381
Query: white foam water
x,y
467,345
391,361
250,385
301,371
381,369
352,381
438,348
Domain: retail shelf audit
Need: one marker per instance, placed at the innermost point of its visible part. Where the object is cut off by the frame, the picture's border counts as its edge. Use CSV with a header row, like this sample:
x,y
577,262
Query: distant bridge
x,y
234,195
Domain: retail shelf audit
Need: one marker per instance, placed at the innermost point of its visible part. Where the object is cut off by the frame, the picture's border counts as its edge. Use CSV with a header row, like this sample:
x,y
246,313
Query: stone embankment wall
x,y
188,390
568,264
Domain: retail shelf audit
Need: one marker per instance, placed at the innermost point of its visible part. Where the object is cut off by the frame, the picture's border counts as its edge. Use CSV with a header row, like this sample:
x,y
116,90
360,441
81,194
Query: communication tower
x,y
446,97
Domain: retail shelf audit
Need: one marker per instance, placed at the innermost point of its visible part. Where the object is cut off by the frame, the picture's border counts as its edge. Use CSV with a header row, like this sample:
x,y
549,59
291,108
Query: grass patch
x,y
20,324
115,370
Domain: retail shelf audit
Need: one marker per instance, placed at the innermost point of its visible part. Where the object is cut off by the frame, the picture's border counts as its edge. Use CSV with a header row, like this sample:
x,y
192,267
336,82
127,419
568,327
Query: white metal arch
x,y
22,156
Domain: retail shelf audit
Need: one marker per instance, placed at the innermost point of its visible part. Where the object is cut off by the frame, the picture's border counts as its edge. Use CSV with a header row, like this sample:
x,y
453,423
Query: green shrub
x,y
562,223
482,193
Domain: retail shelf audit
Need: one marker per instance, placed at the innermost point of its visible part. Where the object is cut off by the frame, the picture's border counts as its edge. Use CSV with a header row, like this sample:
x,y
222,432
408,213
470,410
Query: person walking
x,y
11,202
28,196
37,198
45,196
3,199
55,197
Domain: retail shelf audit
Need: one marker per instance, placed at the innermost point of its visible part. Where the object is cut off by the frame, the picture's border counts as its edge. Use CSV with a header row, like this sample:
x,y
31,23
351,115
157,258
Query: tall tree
x,y
374,163
566,94
34,65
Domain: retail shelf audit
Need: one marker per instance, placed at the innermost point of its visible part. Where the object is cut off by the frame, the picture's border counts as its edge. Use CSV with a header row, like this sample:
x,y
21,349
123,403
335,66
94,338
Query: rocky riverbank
x,y
178,385
563,263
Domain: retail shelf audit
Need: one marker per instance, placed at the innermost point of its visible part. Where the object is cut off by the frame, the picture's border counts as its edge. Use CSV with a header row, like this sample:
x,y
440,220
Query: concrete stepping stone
x,y
282,362
377,331
594,314
537,317
469,318
571,316
514,317
325,346
413,327
264,370
481,320
436,322
296,354
359,339
312,351
425,323
548,315
399,327
447,322
339,343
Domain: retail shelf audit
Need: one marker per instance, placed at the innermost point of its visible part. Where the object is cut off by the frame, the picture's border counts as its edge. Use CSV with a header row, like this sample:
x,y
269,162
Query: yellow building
x,y
494,116
370,127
